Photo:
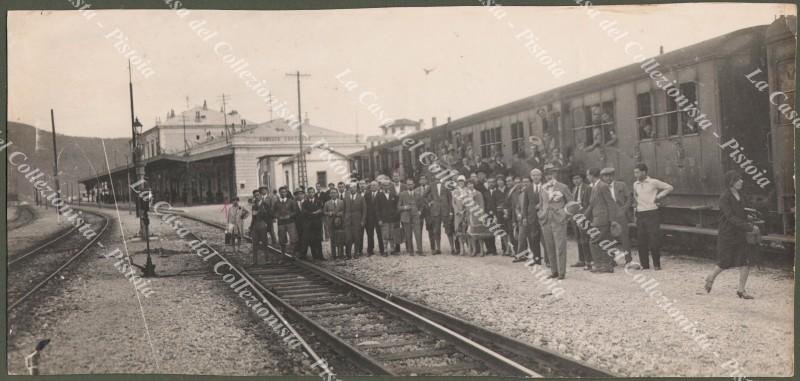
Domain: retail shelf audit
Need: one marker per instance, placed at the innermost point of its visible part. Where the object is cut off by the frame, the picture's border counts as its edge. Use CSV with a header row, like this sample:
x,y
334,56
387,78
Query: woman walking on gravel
x,y
734,225
236,216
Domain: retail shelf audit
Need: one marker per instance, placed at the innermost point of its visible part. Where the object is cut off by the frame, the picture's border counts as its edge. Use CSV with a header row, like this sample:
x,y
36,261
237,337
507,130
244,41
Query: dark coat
x,y
530,207
602,207
439,201
387,207
731,241
355,211
284,211
371,217
312,218
500,204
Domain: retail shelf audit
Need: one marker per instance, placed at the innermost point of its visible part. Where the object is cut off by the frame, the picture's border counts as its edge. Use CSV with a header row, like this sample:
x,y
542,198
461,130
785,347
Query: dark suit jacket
x,y
439,201
312,218
285,210
585,195
602,207
498,200
387,207
355,211
371,215
530,208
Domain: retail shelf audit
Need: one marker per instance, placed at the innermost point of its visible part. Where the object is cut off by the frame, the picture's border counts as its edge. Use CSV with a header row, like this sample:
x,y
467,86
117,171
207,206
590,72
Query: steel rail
x,y
106,223
37,249
439,327
266,296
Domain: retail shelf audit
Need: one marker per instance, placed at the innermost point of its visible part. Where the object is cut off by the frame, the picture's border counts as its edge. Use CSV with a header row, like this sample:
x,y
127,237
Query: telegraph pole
x,y
301,157
185,142
55,158
225,117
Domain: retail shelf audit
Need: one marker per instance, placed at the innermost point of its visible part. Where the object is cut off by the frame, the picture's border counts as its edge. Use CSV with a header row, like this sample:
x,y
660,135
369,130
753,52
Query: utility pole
x,y
225,117
301,156
185,142
271,109
55,159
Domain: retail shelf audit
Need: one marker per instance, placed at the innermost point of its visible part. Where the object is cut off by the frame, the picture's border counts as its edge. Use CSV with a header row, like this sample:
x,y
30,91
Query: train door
x,y
781,51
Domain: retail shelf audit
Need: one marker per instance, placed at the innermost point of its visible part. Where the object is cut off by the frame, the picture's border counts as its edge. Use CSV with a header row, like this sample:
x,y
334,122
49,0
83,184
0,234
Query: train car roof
x,y
716,47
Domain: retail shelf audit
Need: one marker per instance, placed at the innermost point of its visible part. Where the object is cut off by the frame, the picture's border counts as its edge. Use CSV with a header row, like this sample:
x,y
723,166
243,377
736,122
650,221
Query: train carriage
x,y
684,131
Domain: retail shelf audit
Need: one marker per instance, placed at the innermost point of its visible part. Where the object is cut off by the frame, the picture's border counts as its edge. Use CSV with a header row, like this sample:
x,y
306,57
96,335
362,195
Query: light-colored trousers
x,y
555,245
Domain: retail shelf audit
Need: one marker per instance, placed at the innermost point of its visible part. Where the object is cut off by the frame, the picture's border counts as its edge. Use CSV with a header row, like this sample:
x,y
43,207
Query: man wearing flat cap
x,y
600,212
553,220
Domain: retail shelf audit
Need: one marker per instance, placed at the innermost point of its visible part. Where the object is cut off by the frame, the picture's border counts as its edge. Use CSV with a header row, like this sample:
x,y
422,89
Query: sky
x,y
478,57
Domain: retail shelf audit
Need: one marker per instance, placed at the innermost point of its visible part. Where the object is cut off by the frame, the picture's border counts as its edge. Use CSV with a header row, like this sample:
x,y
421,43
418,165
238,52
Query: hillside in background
x,y
81,157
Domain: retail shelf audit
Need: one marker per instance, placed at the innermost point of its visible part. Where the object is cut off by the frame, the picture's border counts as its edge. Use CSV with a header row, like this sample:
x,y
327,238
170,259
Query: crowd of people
x,y
534,213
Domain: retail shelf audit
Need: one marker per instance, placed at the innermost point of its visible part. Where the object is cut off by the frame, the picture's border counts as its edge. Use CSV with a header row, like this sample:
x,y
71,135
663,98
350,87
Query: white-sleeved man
x,y
647,192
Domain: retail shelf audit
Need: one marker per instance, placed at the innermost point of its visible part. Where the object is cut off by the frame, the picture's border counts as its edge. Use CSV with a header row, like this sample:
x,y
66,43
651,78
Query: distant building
x,y
215,162
388,131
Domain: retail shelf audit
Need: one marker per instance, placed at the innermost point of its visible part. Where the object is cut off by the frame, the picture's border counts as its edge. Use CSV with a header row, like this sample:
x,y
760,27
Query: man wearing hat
x,y
622,196
600,212
582,193
300,225
285,210
554,221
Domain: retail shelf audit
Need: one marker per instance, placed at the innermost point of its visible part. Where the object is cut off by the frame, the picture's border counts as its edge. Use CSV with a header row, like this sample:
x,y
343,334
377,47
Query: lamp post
x,y
142,204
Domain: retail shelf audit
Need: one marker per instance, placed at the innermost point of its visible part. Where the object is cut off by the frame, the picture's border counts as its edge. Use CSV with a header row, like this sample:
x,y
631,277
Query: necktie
x,y
579,194
613,194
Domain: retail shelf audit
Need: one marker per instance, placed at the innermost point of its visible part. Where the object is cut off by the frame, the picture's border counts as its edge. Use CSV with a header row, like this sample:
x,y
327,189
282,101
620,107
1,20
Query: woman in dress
x,y
477,231
334,211
459,217
732,246
236,215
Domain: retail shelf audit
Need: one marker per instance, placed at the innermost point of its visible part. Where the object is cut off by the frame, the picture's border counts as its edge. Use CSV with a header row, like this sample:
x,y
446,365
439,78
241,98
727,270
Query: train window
x,y
598,126
517,137
644,116
491,141
688,90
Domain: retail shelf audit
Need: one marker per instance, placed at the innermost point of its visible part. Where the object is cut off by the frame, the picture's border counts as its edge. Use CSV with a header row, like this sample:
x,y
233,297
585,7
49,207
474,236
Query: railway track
x,y
388,335
30,271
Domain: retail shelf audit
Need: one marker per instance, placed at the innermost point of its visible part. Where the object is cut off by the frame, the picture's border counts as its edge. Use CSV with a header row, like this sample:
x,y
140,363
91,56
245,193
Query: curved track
x,y
30,271
394,336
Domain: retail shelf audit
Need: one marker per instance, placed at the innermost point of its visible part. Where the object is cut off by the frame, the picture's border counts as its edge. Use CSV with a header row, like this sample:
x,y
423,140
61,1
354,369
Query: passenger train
x,y
623,117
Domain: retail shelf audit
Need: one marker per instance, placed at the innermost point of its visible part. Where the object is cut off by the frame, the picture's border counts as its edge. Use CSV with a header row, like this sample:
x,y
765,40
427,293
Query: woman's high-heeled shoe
x,y
709,283
744,295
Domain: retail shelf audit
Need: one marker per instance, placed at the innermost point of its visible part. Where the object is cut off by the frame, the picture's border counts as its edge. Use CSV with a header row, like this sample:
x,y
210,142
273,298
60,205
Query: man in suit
x,y
553,220
258,229
624,199
301,250
410,217
439,204
527,215
371,222
388,216
582,193
397,187
600,211
267,198
499,196
312,215
355,213
489,196
534,228
285,211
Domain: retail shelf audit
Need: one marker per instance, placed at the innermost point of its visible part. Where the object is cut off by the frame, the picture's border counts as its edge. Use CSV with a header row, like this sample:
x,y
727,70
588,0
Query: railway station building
x,y
203,156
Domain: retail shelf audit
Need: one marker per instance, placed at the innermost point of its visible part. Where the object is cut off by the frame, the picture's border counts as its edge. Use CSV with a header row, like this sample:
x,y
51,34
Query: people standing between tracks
x,y
582,193
236,215
301,250
355,213
371,222
389,217
312,215
334,211
259,230
600,212
267,198
439,204
622,196
409,205
253,201
647,194
734,225
553,219
285,211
